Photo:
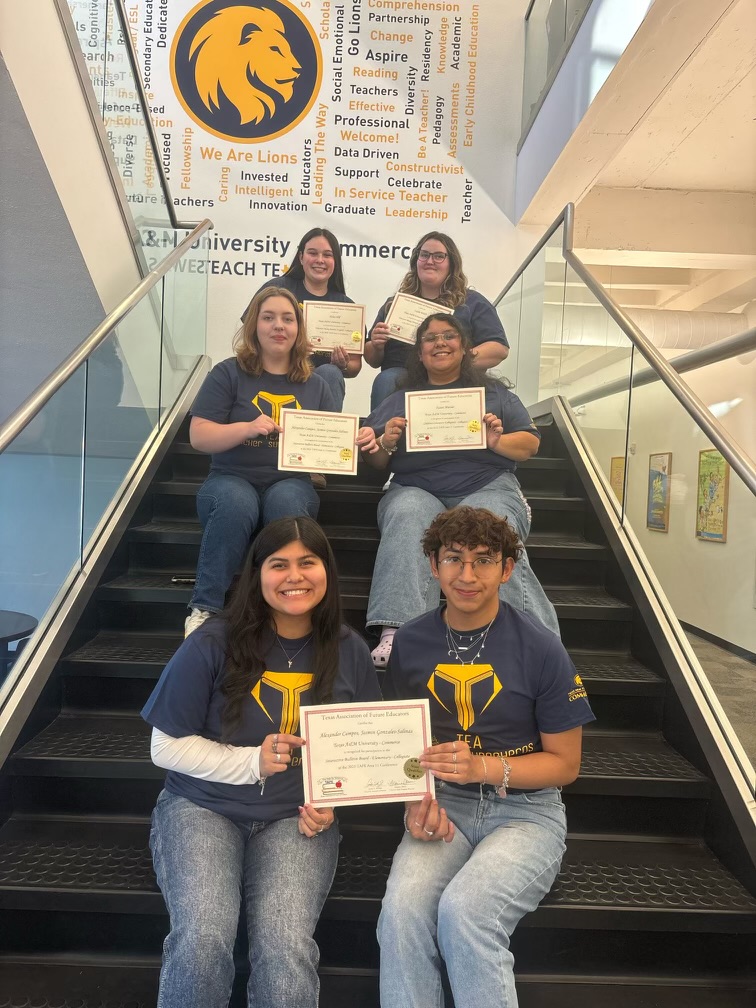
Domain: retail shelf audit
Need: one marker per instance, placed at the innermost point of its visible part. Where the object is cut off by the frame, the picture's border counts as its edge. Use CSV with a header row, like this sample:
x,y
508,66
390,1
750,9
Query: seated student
x,y
235,418
316,274
435,274
426,483
507,709
231,827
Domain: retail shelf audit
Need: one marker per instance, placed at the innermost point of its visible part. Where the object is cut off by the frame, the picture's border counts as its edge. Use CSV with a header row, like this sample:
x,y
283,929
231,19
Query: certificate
x,y
406,313
445,420
312,441
364,754
330,324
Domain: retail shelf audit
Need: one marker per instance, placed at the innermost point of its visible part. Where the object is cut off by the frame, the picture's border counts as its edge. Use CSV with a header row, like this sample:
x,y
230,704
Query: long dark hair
x,y
296,269
469,375
250,629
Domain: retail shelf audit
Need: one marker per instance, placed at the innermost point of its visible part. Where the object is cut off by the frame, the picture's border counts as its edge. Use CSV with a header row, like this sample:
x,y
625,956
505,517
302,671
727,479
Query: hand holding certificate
x,y
443,419
332,324
361,754
314,441
405,315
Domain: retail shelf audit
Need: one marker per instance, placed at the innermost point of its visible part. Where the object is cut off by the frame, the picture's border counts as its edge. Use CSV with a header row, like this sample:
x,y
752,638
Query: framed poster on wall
x,y
617,476
657,503
712,492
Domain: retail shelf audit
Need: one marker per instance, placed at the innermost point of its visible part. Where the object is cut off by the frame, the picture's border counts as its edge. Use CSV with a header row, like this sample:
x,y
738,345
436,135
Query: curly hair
x,y
454,289
247,347
472,527
296,270
250,628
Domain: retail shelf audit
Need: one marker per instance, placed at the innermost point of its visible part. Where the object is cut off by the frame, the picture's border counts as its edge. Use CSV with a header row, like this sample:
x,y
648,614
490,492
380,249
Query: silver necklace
x,y
453,651
286,653
472,639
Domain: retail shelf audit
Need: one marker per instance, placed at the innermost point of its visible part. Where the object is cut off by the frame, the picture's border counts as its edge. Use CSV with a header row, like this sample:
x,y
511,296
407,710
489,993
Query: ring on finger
x,y
430,832
454,757
278,757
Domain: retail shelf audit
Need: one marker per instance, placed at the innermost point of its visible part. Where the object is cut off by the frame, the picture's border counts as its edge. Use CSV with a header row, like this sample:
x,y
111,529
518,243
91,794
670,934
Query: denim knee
x,y
385,384
334,379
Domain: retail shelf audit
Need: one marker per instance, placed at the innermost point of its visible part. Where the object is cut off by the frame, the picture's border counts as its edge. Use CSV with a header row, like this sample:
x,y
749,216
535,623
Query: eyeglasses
x,y
437,257
447,337
481,565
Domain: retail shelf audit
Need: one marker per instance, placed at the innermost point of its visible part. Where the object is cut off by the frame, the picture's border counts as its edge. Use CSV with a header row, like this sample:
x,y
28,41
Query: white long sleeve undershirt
x,y
203,758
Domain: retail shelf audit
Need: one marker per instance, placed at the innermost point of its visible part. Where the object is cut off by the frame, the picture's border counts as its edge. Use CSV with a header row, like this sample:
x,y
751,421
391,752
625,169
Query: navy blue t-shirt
x,y
477,313
522,683
230,395
458,473
188,701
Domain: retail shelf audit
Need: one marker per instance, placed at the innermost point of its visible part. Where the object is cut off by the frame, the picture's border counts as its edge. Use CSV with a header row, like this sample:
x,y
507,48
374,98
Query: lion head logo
x,y
246,71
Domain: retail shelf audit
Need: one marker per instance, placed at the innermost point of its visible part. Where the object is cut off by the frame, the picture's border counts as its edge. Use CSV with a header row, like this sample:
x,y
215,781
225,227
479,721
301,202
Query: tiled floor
x,y
734,681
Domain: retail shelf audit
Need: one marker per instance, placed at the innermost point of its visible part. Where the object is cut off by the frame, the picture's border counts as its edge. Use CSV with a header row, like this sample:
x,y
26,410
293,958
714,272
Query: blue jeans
x,y
460,902
205,864
385,383
230,510
403,586
334,379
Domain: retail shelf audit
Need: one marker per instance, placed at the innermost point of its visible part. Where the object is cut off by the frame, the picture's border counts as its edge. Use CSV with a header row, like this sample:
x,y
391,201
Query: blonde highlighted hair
x,y
246,345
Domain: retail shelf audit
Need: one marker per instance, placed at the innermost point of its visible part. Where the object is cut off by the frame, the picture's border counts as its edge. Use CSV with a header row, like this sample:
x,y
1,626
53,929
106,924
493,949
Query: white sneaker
x,y
195,619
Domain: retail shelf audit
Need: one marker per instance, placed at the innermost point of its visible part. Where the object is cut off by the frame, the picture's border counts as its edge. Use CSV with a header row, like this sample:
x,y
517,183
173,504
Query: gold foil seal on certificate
x,y
474,426
356,337
412,769
346,454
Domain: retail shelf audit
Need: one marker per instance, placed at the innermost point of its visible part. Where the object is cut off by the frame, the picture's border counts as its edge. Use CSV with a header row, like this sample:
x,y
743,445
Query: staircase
x,y
642,914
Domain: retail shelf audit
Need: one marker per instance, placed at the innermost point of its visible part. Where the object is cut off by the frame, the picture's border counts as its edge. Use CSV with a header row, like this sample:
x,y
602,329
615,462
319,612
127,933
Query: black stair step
x,y
629,992
104,865
123,654
607,673
158,587
99,982
551,544
93,745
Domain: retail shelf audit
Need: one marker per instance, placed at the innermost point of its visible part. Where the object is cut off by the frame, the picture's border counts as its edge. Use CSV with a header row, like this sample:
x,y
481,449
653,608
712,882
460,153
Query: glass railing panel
x,y
541,46
123,399
596,371
695,521
184,297
105,47
41,502
509,309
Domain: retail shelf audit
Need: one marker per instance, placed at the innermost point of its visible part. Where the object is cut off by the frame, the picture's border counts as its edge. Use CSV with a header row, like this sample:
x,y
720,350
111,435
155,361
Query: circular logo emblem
x,y
578,681
246,72
356,337
474,426
412,769
346,454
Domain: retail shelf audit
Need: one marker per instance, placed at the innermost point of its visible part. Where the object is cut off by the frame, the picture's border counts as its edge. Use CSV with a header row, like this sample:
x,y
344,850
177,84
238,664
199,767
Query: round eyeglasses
x,y
481,565
437,257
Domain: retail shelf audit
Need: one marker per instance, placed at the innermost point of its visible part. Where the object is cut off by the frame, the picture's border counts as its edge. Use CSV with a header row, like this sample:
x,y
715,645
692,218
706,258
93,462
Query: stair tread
x,y
107,856
190,532
105,739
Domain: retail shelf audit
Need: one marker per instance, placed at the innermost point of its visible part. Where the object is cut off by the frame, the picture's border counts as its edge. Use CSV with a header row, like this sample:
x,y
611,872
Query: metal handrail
x,y
703,417
26,412
731,346
565,217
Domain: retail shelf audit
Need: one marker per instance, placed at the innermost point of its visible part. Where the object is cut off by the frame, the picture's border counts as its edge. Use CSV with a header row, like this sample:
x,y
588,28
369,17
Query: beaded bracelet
x,y
381,444
506,766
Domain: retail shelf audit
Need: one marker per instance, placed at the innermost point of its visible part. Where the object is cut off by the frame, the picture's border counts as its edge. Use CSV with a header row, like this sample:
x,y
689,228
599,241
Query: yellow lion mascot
x,y
236,46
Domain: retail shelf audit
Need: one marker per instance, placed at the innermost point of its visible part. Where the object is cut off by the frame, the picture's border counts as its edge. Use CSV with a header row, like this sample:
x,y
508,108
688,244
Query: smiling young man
x,y
507,710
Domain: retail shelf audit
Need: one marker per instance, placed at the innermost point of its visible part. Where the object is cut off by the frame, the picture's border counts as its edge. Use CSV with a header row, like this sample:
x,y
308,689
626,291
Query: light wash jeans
x,y
460,902
334,379
205,864
403,586
385,383
230,510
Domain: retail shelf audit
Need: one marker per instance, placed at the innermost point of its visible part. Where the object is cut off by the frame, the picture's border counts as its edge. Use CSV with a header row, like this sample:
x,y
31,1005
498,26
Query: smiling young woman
x,y
435,274
230,827
426,483
236,419
316,274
